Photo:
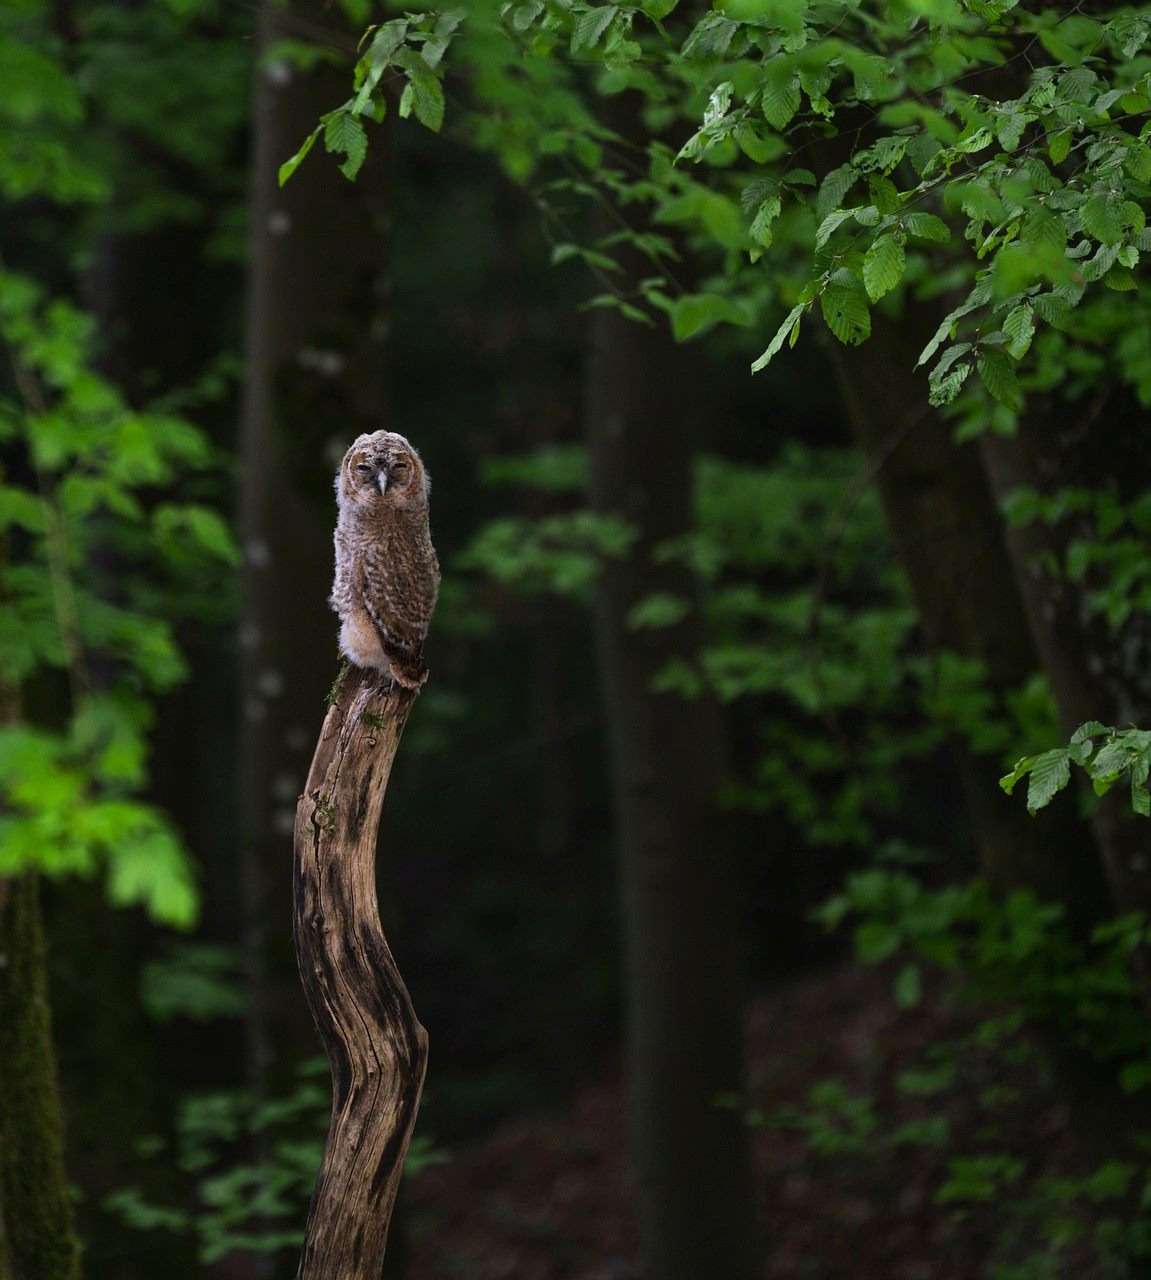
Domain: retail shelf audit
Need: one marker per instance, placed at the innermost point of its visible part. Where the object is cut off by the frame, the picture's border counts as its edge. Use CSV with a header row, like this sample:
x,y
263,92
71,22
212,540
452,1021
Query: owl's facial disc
x,y
383,466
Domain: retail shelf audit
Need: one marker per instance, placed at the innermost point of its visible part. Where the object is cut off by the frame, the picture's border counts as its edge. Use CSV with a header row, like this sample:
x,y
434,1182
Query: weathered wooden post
x,y
376,1047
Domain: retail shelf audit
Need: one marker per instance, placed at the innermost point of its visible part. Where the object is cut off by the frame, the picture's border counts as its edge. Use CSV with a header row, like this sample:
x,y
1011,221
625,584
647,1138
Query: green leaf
x,y
908,989
138,1214
1049,774
883,266
437,43
423,95
1101,217
998,375
147,865
845,309
779,96
1009,128
766,214
1058,145
789,326
20,507
1019,326
722,218
1054,309
949,357
975,141
660,609
1044,230
290,166
945,387
590,27
197,527
834,187
524,13
875,941
1113,760
978,1179
1140,798
926,226
371,67
557,468
196,980
870,73
344,134
1137,161
1105,258
387,40
696,312
754,145
931,1131
711,38
1121,280
829,225
1022,768
1083,735
884,194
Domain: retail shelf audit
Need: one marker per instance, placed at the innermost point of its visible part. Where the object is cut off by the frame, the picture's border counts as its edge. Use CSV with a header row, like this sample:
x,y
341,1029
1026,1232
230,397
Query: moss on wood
x,y
37,1239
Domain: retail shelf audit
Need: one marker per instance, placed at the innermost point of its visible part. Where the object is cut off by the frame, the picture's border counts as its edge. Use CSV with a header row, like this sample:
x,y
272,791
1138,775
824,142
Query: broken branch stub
x,y
376,1047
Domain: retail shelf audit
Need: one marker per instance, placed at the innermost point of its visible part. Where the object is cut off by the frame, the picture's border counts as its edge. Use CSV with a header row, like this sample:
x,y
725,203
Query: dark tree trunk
x,y
119,1071
949,532
1090,671
316,376
36,1234
950,536
681,912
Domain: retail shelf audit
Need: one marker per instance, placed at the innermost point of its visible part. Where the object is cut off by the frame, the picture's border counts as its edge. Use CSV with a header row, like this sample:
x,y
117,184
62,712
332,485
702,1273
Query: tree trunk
x,y
1082,658
375,1045
949,533
681,914
316,376
36,1233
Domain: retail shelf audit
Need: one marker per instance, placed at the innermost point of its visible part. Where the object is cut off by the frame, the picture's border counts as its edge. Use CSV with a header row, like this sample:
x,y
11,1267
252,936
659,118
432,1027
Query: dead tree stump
x,y
376,1047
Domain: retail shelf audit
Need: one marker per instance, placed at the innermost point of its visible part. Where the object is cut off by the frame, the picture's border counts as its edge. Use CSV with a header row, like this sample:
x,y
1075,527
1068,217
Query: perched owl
x,y
387,575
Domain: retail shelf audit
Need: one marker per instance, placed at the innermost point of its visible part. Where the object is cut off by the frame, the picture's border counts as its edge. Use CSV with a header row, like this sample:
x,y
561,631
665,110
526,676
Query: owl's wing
x,y
401,632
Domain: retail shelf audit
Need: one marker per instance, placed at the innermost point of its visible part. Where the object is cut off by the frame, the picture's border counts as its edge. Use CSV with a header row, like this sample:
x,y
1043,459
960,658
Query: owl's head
x,y
382,470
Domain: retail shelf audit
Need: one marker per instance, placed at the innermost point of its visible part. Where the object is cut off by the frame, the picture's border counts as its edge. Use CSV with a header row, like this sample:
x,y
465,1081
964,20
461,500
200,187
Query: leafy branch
x,y
1106,755
411,47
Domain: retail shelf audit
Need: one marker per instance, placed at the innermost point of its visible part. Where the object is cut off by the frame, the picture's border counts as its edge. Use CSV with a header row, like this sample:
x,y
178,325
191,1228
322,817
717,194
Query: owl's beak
x,y
383,482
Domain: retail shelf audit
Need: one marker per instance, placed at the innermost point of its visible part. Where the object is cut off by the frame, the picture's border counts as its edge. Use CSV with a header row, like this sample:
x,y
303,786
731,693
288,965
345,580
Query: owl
x,y
387,575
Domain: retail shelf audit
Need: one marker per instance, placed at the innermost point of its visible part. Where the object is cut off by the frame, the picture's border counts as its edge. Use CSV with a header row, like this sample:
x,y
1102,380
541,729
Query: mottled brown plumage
x,y
387,575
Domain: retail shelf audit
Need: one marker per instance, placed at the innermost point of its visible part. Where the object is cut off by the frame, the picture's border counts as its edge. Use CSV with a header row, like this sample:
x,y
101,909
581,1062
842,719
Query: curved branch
x,y
376,1047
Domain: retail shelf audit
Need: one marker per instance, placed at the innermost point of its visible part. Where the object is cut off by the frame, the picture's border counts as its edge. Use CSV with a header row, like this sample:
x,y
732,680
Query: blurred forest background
x,y
736,957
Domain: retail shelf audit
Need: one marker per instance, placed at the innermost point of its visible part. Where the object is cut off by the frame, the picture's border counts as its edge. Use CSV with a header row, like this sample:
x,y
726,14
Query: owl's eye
x,y
363,466
399,466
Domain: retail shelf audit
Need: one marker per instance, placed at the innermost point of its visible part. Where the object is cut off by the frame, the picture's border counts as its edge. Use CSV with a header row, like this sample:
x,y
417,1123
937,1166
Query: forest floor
x,y
850,1194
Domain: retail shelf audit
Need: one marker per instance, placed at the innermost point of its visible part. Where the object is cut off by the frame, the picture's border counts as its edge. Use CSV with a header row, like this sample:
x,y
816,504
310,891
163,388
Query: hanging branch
x,y
376,1047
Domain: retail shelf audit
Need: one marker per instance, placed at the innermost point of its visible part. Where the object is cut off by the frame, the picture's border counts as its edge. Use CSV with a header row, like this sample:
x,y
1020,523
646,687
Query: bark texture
x,y
681,915
36,1233
376,1047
